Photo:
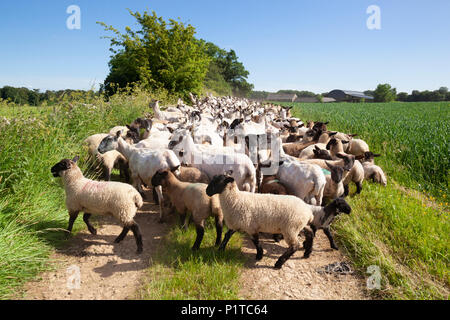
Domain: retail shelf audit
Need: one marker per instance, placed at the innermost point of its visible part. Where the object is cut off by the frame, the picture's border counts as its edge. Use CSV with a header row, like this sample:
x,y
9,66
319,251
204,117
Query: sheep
x,y
324,216
334,187
104,198
212,161
109,160
254,213
357,147
191,197
190,174
270,184
165,115
372,171
143,163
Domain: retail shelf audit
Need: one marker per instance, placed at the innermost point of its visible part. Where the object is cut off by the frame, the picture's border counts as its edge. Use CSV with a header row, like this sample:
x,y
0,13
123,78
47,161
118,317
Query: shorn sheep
x,y
191,197
104,198
254,213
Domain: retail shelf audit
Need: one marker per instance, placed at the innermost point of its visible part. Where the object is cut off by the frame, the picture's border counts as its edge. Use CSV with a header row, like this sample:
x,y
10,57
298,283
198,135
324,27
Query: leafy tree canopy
x,y
160,55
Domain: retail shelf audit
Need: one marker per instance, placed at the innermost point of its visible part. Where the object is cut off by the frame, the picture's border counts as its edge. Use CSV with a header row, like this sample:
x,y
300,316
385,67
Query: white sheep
x,y
104,198
143,163
306,181
254,213
213,161
371,170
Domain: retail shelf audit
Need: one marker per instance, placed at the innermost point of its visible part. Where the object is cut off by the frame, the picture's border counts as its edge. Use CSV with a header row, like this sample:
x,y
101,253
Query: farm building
x,y
282,97
348,96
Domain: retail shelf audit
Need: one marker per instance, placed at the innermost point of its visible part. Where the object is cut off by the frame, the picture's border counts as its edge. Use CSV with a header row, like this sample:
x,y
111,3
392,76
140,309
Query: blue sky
x,y
311,45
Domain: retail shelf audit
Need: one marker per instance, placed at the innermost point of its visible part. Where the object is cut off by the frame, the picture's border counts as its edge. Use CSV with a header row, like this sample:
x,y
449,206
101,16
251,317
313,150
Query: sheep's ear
x,y
118,134
329,165
316,148
345,142
332,133
173,169
228,180
376,155
129,128
339,155
326,122
360,157
76,159
229,173
353,135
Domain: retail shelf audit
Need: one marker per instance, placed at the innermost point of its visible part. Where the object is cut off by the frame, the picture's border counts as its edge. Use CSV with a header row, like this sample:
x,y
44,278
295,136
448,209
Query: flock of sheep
x,y
248,164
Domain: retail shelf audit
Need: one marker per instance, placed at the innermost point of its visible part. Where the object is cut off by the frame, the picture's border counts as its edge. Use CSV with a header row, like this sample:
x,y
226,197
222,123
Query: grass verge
x,y
178,273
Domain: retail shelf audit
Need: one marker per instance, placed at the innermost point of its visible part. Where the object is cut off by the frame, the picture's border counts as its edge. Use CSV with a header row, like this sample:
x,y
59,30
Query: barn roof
x,y
341,94
357,94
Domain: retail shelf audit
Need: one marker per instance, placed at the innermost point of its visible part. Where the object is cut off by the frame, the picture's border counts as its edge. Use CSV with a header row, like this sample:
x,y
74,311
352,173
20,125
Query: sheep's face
x,y
218,184
63,165
108,143
337,173
321,154
349,160
159,177
342,206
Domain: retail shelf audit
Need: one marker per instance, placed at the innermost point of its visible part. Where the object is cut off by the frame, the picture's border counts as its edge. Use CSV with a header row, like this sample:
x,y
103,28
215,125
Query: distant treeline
x,y
23,96
442,94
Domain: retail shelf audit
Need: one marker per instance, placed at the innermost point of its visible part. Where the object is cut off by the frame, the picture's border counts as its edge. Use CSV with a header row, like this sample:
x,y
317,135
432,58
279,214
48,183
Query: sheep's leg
x,y
330,238
308,243
72,217
137,236
183,224
161,198
346,190
106,173
91,228
358,187
155,196
122,234
277,237
226,239
219,228
200,232
281,260
259,250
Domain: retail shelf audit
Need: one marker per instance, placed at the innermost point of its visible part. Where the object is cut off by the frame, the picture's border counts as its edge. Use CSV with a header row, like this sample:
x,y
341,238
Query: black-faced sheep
x,y
104,198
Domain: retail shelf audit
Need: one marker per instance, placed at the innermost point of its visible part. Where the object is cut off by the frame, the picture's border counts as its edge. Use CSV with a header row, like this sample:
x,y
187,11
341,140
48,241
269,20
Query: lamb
x,y
109,160
372,171
190,174
165,115
143,163
104,198
213,161
270,184
324,216
191,197
334,187
357,147
254,213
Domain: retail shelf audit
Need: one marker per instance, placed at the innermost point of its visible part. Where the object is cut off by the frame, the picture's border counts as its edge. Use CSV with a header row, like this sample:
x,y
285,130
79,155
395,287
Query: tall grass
x,y
32,206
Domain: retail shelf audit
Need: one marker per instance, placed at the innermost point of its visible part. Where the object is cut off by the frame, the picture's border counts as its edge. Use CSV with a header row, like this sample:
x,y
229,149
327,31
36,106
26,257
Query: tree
x,y
159,55
384,93
230,69
402,96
